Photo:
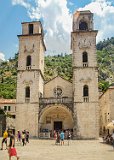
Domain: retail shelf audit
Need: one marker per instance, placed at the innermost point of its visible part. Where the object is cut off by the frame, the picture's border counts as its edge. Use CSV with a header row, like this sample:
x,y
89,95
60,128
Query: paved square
x,y
77,150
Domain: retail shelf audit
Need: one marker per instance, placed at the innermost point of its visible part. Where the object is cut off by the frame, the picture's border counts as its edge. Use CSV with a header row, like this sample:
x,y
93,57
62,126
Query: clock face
x,y
58,92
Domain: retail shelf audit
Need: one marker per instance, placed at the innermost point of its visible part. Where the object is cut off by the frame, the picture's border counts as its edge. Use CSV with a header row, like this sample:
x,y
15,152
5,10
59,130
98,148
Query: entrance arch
x,y
55,117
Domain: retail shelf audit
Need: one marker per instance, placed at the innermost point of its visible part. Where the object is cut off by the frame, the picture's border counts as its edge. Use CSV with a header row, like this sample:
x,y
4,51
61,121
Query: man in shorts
x,y
62,136
4,140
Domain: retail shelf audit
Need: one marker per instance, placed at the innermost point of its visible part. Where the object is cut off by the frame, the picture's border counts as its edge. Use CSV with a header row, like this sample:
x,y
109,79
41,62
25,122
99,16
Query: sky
x,y
56,18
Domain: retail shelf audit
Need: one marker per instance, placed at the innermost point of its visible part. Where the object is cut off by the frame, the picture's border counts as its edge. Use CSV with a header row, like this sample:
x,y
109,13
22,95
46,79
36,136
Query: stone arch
x,y
53,114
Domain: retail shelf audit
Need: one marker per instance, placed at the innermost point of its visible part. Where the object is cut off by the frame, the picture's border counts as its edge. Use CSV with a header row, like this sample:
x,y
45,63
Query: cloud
x,y
21,2
103,17
2,56
57,22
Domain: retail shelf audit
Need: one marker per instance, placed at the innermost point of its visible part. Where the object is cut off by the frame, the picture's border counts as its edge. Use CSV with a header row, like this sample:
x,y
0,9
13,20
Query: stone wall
x,y
106,103
58,82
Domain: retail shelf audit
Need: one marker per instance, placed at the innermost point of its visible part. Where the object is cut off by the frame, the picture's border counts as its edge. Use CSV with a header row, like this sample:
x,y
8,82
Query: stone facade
x,y
30,80
9,106
58,104
106,102
58,82
85,76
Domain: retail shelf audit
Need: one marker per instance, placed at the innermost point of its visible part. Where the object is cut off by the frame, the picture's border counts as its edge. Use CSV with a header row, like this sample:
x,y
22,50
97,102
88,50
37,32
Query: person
x,y
23,138
68,136
62,137
4,140
19,136
55,136
27,137
12,150
58,138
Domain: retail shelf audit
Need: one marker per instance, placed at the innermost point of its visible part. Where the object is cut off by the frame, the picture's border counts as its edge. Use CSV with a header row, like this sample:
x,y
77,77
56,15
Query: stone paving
x,y
77,150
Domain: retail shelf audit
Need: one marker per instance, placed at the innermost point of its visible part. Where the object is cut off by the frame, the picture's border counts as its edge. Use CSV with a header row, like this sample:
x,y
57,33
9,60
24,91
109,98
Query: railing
x,y
85,64
28,67
53,100
86,99
27,100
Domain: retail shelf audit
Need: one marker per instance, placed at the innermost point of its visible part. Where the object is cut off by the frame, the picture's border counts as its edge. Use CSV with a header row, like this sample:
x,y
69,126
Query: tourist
x,y
27,137
12,150
23,138
4,140
68,136
19,136
58,138
55,136
62,138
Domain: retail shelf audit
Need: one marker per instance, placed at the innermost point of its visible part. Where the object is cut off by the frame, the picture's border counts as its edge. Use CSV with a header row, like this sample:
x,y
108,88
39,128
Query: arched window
x,y
85,91
85,59
28,61
83,25
27,92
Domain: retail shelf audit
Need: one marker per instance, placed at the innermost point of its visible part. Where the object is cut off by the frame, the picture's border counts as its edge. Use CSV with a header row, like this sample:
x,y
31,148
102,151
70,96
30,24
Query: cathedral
x,y
43,107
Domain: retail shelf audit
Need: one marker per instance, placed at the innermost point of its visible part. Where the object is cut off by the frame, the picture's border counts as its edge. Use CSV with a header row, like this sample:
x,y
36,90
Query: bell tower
x,y
30,77
85,76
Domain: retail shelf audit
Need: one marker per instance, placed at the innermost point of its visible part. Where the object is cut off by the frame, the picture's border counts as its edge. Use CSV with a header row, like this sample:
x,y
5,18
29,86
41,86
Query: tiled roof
x,y
7,101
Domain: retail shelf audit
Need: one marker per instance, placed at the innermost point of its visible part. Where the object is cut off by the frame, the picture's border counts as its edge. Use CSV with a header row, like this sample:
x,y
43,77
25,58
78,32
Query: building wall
x,y
80,79
87,118
27,118
30,44
58,82
37,28
84,41
111,103
106,103
86,113
9,106
26,48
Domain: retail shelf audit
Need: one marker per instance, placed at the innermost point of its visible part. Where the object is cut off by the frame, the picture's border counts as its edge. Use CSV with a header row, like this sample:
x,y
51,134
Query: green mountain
x,y
8,76
60,65
105,59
